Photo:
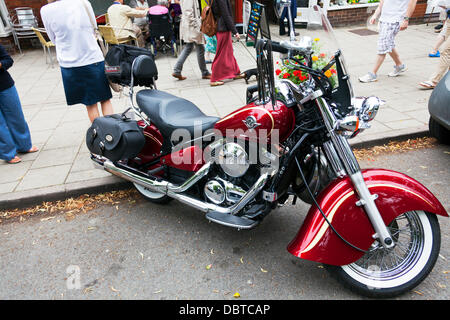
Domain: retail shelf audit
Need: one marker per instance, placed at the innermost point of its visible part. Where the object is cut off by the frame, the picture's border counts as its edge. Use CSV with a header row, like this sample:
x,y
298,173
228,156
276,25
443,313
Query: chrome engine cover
x,y
214,191
219,190
233,159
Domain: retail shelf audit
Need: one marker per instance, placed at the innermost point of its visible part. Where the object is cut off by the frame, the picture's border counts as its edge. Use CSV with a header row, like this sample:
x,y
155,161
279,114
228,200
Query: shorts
x,y
387,32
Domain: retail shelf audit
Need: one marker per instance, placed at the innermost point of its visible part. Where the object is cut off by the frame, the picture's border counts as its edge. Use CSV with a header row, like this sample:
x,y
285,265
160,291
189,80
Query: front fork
x,y
343,161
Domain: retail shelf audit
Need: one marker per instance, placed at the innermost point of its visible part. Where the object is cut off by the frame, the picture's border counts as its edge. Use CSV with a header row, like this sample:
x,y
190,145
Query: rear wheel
x,y
152,196
383,273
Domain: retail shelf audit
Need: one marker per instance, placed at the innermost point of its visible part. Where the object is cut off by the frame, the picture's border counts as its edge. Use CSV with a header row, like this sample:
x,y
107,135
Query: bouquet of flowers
x,y
319,61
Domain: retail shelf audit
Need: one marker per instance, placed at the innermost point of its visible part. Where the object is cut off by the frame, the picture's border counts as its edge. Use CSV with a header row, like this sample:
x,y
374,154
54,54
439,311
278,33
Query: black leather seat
x,y
169,112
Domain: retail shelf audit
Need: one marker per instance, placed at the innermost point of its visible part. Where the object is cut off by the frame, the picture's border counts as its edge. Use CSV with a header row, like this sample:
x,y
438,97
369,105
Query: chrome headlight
x,y
369,108
234,160
365,110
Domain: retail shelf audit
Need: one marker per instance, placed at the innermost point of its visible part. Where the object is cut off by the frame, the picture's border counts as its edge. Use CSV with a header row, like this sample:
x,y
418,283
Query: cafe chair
x,y
46,45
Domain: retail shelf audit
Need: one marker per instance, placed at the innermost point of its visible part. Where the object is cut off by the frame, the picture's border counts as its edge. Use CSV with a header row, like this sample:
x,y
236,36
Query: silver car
x,y
439,108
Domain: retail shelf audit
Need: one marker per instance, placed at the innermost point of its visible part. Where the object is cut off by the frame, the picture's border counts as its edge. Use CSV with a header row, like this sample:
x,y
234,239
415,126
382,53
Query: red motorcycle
x,y
376,230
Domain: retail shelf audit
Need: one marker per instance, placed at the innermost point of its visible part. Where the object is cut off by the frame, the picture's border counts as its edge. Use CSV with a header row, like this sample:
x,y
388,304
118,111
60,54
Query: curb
x,y
28,198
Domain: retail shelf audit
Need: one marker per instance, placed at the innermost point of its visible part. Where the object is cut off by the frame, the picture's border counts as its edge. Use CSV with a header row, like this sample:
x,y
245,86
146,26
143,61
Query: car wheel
x,y
439,132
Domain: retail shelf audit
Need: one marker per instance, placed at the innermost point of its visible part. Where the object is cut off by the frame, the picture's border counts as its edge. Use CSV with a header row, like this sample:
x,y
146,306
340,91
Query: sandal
x,y
14,160
437,54
240,76
216,83
427,85
33,149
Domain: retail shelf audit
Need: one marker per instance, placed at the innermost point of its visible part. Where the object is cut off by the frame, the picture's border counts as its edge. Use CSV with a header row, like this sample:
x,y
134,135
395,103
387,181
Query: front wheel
x,y
383,273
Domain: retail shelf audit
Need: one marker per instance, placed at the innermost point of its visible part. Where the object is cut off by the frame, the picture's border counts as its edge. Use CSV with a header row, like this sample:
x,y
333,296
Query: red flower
x,y
322,55
286,75
278,71
333,71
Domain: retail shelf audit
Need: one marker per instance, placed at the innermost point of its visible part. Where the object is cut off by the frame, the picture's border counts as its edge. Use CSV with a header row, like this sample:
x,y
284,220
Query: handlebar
x,y
277,47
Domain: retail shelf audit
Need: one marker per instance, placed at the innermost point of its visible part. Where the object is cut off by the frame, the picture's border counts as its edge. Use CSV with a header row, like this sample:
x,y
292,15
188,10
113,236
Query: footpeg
x,y
230,220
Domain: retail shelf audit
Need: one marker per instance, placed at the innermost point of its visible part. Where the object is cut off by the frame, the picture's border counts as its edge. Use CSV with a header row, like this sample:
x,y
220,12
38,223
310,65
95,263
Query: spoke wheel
x,y
389,272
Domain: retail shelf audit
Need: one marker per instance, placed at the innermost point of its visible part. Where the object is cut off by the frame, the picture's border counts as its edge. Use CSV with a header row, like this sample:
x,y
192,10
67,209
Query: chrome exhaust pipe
x,y
176,191
157,186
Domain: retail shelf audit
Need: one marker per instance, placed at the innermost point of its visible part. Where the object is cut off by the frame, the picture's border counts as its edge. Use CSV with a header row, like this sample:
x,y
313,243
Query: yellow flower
x,y
316,39
315,58
328,73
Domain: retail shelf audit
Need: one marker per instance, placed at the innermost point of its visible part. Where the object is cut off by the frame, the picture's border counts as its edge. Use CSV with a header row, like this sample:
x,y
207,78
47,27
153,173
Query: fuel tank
x,y
259,121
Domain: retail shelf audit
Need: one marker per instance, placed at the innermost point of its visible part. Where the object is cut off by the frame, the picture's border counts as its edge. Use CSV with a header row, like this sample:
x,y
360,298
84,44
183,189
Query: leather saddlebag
x,y
115,137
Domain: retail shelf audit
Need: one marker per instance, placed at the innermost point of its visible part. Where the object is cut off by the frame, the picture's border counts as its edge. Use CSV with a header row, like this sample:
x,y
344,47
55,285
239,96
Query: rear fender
x,y
153,142
397,194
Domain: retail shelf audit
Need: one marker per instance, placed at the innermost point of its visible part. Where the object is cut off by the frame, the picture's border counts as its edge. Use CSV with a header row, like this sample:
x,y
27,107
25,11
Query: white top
x,y
393,10
141,21
70,29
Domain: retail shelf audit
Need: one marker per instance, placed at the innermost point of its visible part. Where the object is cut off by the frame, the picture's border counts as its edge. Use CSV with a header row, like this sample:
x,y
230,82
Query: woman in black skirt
x,y
69,27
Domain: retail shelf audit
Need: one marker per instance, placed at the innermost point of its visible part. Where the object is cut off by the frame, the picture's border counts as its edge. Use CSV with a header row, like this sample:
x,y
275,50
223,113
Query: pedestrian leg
x,y
93,112
444,60
14,119
7,146
201,60
396,57
444,63
378,62
107,108
183,56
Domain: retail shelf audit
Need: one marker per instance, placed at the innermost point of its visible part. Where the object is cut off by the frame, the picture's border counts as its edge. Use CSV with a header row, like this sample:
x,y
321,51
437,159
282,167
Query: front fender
x,y
397,194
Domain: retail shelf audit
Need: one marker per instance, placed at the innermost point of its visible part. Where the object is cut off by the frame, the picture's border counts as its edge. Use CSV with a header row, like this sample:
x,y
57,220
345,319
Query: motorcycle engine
x,y
219,191
233,176
233,159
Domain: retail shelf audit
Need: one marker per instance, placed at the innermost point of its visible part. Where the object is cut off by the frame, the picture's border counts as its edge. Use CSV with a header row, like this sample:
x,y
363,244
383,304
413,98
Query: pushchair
x,y
162,36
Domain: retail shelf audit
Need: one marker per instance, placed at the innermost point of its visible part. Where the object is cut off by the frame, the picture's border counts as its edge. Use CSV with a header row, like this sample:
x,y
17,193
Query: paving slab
x,y
62,166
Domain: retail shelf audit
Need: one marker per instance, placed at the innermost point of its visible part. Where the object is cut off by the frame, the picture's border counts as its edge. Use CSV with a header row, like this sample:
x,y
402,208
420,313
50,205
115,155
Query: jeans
x,y
186,52
14,133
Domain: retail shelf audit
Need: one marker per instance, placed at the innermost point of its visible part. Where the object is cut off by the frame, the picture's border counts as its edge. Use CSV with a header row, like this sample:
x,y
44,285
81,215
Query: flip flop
x,y
217,83
434,55
427,84
14,160
32,150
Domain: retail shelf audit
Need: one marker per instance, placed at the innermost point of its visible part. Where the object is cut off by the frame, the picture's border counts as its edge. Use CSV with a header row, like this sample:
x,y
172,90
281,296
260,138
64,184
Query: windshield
x,y
324,47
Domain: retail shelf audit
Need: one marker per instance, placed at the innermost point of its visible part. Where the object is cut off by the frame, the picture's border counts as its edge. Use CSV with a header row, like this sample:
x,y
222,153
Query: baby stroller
x,y
162,36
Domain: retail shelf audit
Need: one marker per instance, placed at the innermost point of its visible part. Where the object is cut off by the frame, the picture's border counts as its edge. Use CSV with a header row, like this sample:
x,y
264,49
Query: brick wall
x,y
359,16
353,16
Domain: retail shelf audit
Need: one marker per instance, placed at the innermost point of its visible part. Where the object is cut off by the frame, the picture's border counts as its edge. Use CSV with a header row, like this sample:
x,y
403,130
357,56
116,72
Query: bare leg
x,y
378,62
107,107
93,112
395,56
439,42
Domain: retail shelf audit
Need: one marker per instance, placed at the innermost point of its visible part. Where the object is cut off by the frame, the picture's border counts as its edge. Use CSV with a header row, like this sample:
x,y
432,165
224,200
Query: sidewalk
x,y
62,166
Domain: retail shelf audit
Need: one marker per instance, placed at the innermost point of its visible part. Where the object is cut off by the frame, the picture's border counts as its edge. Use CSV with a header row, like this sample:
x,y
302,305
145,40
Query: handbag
x,y
114,86
209,23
